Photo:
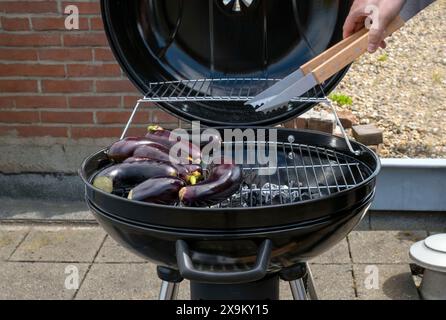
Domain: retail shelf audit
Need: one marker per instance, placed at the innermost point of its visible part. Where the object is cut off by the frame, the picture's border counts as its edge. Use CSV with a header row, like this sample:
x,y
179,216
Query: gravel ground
x,y
403,89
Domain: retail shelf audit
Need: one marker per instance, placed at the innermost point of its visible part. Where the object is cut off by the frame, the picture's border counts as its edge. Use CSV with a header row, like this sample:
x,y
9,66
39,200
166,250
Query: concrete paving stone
x,y
377,247
333,282
10,237
120,281
111,251
338,254
38,281
60,244
431,221
394,282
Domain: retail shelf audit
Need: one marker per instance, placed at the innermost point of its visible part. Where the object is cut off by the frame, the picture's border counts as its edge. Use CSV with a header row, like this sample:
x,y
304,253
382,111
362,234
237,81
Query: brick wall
x,y
62,83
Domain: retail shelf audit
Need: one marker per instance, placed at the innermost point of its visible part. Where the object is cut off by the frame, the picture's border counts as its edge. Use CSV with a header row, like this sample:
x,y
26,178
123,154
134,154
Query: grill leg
x,y
310,284
169,290
298,289
171,283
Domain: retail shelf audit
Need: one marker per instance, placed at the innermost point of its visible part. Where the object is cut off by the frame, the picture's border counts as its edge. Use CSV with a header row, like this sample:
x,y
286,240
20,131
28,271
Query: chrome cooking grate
x,y
303,173
208,90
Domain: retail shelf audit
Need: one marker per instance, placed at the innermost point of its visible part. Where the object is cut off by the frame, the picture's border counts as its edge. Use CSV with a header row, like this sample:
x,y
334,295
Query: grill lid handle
x,y
188,271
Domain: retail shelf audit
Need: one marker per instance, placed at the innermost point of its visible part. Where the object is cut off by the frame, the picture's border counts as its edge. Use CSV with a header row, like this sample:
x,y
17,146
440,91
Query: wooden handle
x,y
327,54
350,53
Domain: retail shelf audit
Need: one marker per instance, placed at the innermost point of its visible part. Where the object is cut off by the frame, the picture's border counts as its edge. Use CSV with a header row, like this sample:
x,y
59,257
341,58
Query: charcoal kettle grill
x,y
205,69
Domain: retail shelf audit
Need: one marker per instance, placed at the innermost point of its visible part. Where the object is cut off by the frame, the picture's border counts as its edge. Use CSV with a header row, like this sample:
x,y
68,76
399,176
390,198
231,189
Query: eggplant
x,y
123,149
162,136
152,153
162,190
128,175
190,173
224,180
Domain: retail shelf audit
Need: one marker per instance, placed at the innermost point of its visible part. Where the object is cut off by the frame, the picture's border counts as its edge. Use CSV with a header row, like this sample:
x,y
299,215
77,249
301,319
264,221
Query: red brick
x,y
94,102
96,23
368,134
84,7
18,86
42,131
19,116
15,24
102,54
67,86
28,6
105,132
66,117
95,132
93,70
30,40
121,117
85,39
18,54
115,86
72,54
297,123
348,119
41,101
131,101
56,23
159,116
7,102
31,70
322,125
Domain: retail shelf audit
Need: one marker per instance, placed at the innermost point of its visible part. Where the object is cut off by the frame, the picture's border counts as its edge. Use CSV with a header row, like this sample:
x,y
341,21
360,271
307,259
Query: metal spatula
x,y
324,66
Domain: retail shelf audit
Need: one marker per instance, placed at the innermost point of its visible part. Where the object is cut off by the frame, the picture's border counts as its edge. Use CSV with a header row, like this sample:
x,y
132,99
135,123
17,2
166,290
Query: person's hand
x,y
384,11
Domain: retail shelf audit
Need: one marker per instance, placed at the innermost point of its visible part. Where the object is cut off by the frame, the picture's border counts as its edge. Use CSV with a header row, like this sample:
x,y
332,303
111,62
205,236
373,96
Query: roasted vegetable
x,y
152,153
162,190
191,173
123,149
162,136
128,175
224,180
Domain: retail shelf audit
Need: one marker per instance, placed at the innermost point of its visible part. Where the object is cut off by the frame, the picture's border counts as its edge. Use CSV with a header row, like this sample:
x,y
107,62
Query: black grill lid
x,y
172,40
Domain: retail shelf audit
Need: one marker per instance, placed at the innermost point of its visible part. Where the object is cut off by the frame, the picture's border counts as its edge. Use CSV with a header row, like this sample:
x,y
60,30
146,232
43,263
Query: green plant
x,y
383,57
341,99
437,77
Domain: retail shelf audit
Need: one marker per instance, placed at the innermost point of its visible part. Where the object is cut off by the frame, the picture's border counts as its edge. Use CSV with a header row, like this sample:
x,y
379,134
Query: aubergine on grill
x,y
191,173
128,175
224,180
152,153
123,149
161,190
161,132
162,136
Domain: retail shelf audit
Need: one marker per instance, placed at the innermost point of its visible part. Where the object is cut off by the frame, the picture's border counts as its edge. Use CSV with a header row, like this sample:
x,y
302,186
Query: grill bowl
x,y
223,245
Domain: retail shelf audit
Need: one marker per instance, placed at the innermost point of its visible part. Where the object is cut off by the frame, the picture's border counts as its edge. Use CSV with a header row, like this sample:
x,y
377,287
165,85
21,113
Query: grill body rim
x,y
241,218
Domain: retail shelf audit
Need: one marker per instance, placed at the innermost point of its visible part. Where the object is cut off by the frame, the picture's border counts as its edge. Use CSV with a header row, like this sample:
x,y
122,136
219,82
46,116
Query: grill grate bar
x,y
303,173
221,89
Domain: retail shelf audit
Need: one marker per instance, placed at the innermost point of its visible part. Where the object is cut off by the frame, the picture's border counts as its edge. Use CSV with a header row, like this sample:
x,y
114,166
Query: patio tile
x,y
41,281
120,281
333,282
394,282
10,239
377,247
60,244
338,254
111,251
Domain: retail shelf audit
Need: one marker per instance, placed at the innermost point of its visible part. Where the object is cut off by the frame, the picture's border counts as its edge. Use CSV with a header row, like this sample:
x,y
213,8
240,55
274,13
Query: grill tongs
x,y
324,66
